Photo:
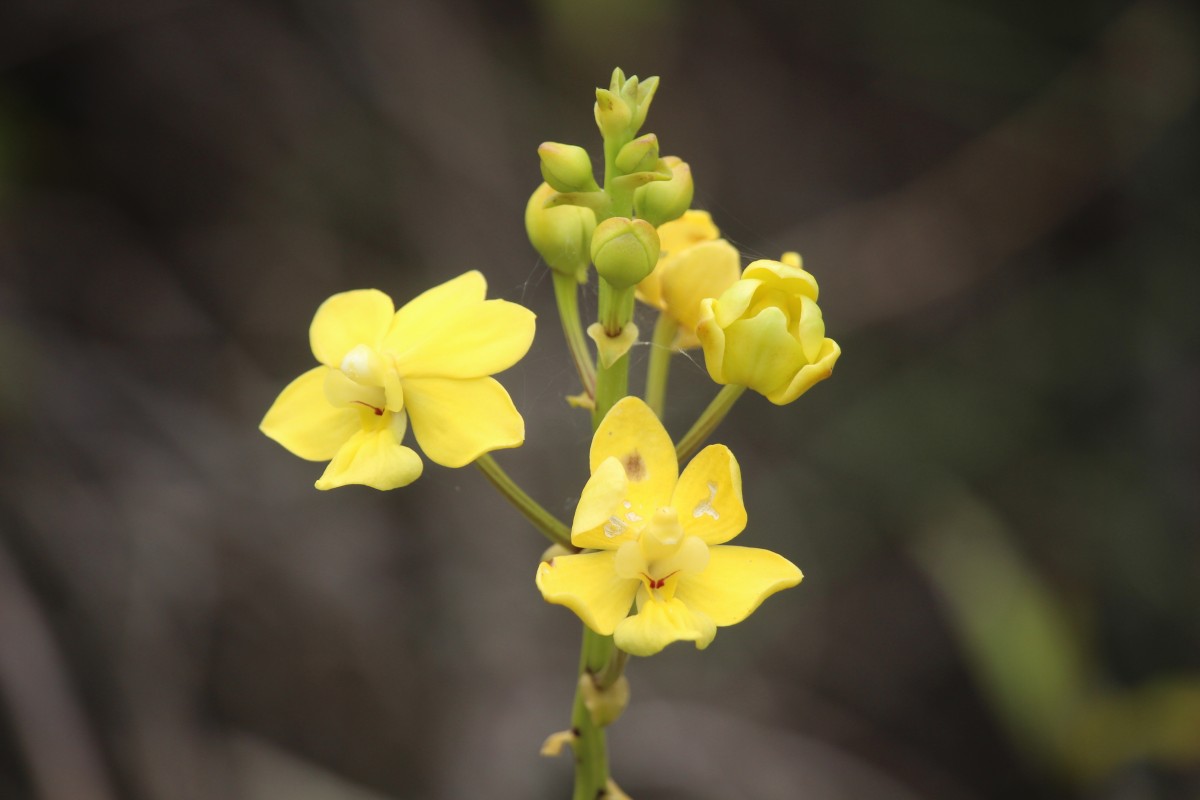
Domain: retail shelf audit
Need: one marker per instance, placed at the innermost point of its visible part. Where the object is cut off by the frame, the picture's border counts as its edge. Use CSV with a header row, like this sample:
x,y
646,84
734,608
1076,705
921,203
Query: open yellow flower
x,y
694,264
659,539
429,363
766,332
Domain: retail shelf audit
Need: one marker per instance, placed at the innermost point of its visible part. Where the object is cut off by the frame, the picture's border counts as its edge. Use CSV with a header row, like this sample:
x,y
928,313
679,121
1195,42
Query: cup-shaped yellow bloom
x,y
766,332
428,363
694,264
659,541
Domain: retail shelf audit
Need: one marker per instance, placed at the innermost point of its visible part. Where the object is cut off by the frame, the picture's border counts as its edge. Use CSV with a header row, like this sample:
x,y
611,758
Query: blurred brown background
x,y
994,500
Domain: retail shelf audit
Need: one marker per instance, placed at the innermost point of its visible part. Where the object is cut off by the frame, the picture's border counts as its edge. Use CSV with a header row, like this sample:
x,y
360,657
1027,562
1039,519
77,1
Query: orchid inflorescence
x,y
645,561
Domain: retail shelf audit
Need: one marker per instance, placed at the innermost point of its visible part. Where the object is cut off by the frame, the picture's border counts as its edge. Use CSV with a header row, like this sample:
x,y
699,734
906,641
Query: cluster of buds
x,y
761,328
615,224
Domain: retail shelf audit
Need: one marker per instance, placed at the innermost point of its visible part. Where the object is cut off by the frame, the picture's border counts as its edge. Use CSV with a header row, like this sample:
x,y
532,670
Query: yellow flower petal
x,y
373,458
587,584
734,301
649,291
809,375
761,353
789,278
428,315
632,434
469,341
736,582
457,421
708,496
810,329
675,239
600,518
304,421
347,320
693,227
705,270
658,623
712,339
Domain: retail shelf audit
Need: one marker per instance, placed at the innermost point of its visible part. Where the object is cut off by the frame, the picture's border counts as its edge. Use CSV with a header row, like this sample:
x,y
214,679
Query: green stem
x,y
622,199
661,350
708,421
616,307
543,520
612,383
591,751
567,295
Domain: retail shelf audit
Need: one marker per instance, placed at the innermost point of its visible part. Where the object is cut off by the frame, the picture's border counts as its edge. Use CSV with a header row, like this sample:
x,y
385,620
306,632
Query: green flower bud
x,y
567,167
663,201
612,113
561,234
640,155
621,108
617,82
645,94
624,250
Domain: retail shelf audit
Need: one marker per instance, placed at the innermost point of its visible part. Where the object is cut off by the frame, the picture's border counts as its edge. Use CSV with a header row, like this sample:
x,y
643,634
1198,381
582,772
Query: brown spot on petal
x,y
635,467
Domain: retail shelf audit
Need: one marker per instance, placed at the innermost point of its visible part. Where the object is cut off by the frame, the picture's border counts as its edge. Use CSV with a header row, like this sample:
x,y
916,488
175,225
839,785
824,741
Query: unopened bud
x,y
617,81
567,167
640,155
561,235
612,113
624,250
645,94
663,201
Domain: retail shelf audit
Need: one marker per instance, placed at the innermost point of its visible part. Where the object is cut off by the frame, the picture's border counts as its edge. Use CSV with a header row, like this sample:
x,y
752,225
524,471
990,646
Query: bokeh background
x,y
994,500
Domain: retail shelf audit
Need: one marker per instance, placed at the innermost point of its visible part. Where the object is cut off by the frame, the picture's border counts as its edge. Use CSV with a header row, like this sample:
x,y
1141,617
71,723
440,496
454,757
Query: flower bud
x,y
617,81
766,332
567,167
612,113
621,108
640,155
662,201
645,94
624,250
561,235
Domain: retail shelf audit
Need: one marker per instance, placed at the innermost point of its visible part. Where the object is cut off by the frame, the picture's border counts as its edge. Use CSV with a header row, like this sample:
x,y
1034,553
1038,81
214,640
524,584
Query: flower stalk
x,y
708,421
545,522
566,294
661,350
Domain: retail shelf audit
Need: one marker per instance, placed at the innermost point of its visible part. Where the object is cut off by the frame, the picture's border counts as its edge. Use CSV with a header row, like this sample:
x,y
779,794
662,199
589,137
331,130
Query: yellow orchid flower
x,y
695,263
659,539
766,332
429,363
